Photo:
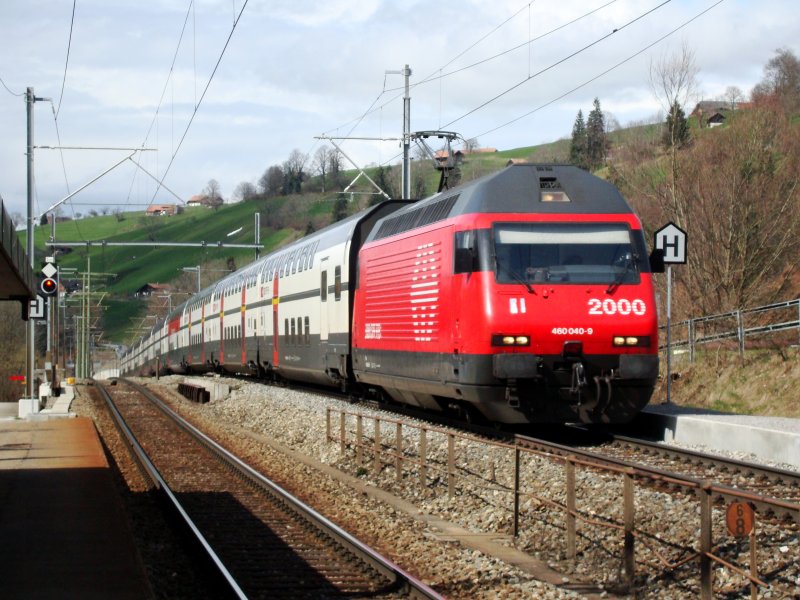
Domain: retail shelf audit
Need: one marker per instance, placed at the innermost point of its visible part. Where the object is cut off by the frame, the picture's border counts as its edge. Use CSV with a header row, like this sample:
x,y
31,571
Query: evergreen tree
x,y
596,137
577,148
340,208
676,132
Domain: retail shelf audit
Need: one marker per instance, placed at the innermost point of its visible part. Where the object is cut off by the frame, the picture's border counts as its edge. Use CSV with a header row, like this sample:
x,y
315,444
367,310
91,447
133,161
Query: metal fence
x,y
518,481
738,326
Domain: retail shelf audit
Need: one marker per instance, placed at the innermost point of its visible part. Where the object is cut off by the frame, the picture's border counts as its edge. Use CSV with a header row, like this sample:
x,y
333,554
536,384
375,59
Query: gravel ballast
x,y
462,546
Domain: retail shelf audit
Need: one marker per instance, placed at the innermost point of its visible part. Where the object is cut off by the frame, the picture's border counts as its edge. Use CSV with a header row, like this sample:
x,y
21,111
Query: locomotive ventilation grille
x,y
418,217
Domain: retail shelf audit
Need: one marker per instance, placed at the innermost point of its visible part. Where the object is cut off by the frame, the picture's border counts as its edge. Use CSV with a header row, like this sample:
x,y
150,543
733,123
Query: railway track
x,y
773,490
261,541
760,479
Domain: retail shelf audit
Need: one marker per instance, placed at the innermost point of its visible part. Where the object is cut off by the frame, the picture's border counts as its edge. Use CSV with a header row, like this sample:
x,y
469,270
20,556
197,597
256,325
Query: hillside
x,y
117,272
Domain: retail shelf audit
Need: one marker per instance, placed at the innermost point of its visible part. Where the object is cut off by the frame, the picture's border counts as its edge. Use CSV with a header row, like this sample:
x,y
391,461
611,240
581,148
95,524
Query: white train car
x,y
287,315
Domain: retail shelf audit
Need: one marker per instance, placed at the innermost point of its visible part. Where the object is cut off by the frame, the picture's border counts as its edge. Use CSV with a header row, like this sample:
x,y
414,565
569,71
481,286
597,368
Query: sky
x,y
223,89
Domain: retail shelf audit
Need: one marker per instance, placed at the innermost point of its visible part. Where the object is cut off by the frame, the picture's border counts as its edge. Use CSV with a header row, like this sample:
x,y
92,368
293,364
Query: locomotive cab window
x,y
599,253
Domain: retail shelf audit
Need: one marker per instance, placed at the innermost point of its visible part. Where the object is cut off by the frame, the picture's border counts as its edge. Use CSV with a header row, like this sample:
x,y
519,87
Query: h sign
x,y
671,239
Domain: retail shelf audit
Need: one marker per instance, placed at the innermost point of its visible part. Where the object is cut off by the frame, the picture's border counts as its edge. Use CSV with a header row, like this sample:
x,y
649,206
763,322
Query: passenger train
x,y
525,296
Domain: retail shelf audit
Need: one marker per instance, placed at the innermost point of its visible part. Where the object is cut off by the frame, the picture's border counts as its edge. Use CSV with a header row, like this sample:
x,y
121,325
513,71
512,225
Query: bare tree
x,y
781,81
335,167
293,172
673,80
119,215
213,194
471,145
733,95
321,164
271,182
739,191
245,191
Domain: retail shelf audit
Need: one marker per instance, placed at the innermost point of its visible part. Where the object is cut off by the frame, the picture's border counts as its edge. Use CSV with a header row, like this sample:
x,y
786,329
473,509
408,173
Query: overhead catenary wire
x,y
200,101
13,93
605,72
591,79
434,77
66,63
164,89
558,62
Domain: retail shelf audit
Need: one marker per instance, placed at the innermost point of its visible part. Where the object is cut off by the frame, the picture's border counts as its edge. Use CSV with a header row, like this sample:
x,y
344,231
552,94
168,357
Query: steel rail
x,y
226,581
771,473
402,580
594,460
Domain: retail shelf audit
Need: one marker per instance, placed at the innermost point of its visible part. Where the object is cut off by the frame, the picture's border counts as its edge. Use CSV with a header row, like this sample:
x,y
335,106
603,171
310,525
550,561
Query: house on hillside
x,y
443,158
161,209
486,150
194,201
148,289
712,113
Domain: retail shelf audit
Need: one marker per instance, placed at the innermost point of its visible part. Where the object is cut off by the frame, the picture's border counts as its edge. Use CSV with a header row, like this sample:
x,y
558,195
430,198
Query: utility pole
x,y
406,138
30,98
406,73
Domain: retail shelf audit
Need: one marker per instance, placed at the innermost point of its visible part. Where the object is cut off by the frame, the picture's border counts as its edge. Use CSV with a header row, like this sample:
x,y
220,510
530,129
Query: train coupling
x,y
578,379
512,394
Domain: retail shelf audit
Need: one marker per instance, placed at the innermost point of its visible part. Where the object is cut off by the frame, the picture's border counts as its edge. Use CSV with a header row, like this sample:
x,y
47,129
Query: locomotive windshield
x,y
599,253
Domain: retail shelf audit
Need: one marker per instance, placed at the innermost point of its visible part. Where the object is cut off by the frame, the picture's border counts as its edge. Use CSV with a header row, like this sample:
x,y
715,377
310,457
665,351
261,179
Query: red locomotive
x,y
524,296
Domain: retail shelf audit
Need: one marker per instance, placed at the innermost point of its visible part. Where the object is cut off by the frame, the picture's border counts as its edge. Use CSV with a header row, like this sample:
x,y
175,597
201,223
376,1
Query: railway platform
x,y
64,532
772,439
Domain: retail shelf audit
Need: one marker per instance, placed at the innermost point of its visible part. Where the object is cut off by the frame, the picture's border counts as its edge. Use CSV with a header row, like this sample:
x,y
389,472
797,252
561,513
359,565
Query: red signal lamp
x,y
48,286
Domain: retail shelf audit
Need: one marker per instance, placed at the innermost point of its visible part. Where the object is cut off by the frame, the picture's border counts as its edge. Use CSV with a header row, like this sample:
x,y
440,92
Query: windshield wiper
x,y
630,265
514,275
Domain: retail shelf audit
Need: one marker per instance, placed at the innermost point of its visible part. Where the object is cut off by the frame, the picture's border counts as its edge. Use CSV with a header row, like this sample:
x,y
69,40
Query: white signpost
x,y
671,240
37,308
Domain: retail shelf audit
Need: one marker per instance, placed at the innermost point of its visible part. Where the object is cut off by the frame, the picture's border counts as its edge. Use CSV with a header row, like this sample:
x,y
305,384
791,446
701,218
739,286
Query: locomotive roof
x,y
515,189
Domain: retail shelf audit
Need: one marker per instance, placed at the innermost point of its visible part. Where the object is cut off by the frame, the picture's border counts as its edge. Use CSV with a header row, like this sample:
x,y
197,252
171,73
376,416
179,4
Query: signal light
x,y
48,286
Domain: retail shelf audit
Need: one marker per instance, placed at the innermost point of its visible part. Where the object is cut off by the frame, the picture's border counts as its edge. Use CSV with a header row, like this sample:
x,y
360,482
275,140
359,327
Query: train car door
x,y
324,324
275,330
243,324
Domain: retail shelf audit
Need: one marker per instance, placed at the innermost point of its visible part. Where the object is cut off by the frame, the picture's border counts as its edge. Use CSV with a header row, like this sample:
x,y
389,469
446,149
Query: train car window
x,y
337,283
286,329
465,255
300,337
323,286
292,338
308,332
600,253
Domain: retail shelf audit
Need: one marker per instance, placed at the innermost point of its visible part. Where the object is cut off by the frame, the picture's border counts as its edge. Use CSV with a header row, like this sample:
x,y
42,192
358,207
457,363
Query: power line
x,y
528,43
8,90
555,64
200,101
432,77
599,75
66,64
163,91
357,121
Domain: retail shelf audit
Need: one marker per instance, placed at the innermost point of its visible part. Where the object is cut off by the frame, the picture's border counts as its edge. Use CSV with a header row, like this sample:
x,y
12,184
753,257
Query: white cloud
x,y
295,69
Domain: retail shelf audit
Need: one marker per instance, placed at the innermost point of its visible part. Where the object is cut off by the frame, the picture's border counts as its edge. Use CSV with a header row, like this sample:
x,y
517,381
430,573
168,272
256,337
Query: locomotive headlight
x,y
631,341
499,339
